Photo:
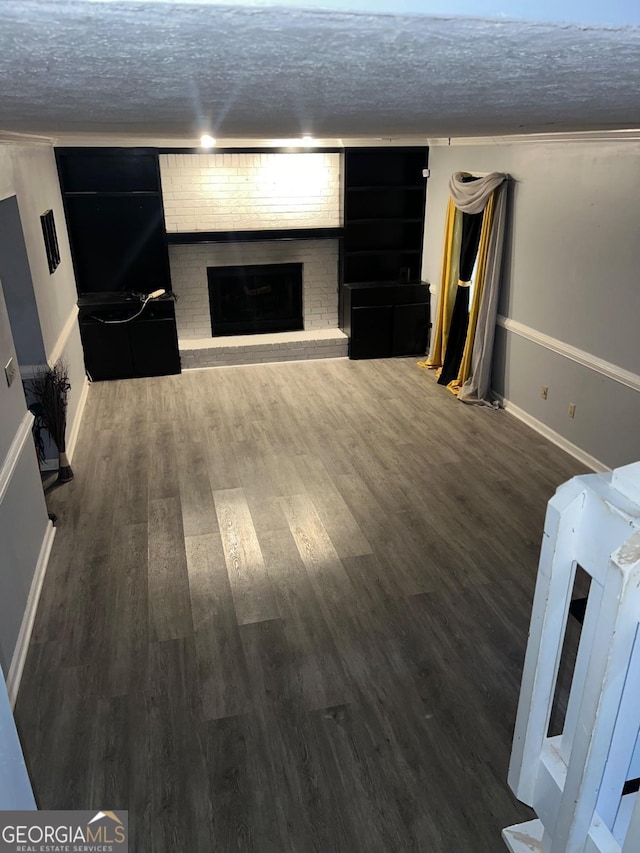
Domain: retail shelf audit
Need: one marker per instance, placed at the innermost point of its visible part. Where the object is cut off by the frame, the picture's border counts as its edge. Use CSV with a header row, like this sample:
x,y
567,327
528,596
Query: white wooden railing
x,y
575,781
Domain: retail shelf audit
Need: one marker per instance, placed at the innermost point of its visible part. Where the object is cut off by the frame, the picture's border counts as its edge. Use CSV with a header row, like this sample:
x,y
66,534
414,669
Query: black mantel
x,y
182,238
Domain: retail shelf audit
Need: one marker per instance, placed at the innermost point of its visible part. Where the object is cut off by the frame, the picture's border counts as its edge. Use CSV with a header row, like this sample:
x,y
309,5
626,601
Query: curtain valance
x,y
472,196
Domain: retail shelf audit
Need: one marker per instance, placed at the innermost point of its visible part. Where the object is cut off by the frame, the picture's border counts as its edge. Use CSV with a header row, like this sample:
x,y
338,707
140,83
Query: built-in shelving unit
x,y
113,205
384,305
383,214
115,219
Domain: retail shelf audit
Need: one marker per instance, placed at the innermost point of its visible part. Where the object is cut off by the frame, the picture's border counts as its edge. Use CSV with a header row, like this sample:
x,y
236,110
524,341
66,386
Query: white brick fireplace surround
x,y
227,192
238,192
321,337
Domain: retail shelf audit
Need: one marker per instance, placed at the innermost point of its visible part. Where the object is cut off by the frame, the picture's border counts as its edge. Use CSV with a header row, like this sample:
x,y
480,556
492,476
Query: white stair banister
x,y
575,781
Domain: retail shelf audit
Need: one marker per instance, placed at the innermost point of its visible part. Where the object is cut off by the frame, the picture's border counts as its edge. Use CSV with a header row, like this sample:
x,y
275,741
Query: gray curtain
x,y
472,197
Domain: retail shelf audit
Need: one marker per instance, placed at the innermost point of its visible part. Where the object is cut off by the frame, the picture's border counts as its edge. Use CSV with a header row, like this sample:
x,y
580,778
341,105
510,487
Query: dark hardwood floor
x,y
287,609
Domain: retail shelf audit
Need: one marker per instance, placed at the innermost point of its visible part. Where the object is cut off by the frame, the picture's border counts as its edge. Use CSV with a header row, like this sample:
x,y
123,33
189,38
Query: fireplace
x,y
255,299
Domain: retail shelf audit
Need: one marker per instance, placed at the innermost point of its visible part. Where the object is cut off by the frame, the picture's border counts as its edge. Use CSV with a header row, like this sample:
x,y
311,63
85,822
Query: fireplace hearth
x,y
255,299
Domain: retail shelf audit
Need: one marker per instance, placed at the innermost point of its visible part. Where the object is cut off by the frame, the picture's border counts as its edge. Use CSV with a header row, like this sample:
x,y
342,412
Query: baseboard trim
x,y
75,426
586,359
555,437
14,453
22,644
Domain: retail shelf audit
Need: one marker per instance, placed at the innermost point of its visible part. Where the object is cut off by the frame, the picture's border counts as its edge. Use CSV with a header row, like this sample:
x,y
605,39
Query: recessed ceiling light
x,y
207,141
307,139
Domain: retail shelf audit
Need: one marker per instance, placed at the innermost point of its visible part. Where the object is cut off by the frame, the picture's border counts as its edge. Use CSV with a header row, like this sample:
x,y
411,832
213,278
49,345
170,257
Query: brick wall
x,y
189,278
227,192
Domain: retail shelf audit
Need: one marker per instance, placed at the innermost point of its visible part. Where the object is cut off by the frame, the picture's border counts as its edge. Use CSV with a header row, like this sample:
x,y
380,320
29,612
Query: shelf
x,y
386,187
367,285
372,220
103,194
353,253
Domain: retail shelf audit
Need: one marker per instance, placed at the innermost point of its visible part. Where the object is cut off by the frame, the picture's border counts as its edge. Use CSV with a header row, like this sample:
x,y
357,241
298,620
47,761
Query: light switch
x,y
10,371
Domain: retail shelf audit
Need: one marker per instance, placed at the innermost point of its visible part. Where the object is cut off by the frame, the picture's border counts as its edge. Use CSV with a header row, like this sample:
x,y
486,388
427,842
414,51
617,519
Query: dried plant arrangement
x,y
49,387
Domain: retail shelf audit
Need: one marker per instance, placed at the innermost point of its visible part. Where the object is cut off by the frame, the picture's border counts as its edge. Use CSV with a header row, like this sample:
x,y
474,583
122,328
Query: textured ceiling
x,y
174,69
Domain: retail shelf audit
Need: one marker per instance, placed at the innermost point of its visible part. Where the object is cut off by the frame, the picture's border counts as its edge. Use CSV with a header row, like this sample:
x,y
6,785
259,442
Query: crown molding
x,y
91,140
94,140
628,135
9,138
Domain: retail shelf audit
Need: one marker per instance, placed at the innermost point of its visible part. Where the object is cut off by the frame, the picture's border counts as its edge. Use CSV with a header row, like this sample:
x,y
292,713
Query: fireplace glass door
x,y
250,300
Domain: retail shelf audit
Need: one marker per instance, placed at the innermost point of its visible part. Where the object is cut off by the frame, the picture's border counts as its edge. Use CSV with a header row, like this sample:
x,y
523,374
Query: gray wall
x,y
23,524
23,514
12,403
18,287
29,173
29,186
571,272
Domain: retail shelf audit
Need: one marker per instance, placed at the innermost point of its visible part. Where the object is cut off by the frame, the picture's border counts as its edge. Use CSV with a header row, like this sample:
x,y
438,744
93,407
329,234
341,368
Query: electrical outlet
x,y
572,410
10,372
545,392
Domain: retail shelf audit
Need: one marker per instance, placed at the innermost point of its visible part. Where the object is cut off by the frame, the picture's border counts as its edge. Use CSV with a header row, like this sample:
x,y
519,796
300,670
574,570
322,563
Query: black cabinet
x,y
371,331
146,346
154,347
386,319
410,329
107,350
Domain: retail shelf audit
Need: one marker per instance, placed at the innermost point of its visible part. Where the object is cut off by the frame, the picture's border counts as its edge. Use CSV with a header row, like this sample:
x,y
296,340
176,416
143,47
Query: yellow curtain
x,y
448,286
478,289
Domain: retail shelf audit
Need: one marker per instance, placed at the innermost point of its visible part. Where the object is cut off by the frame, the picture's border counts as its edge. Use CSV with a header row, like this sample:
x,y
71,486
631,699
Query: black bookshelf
x,y
384,305
115,218
384,199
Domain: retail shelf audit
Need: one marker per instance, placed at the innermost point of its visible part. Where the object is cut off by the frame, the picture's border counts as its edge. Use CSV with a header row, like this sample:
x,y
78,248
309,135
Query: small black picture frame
x,y
50,240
